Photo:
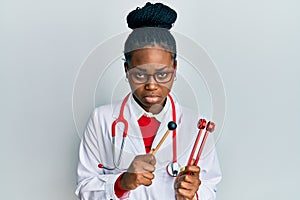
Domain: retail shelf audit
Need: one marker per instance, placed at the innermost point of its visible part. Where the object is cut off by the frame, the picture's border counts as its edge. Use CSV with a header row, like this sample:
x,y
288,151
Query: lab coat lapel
x,y
134,132
135,137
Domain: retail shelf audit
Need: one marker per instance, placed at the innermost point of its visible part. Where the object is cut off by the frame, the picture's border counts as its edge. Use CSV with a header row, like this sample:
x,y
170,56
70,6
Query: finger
x,y
180,197
146,181
185,185
152,159
182,171
149,158
140,164
185,193
148,167
149,176
191,169
189,178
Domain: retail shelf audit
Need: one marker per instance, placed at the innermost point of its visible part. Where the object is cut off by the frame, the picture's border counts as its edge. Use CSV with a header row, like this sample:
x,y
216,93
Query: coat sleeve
x,y
210,172
92,182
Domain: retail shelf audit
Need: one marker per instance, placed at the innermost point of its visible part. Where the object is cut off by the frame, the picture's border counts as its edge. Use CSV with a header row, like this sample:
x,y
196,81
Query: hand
x,y
187,183
140,172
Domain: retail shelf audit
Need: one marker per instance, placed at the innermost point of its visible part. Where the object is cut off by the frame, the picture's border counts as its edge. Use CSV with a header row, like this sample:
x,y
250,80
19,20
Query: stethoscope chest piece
x,y
173,169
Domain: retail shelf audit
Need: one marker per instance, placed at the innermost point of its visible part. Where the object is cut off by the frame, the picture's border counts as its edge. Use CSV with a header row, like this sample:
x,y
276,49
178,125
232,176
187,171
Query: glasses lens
x,y
139,77
163,77
160,77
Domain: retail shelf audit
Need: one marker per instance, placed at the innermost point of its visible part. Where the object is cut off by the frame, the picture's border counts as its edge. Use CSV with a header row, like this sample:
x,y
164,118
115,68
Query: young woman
x,y
113,168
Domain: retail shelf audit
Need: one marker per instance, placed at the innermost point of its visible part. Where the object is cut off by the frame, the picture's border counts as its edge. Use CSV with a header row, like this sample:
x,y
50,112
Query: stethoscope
x,y
173,168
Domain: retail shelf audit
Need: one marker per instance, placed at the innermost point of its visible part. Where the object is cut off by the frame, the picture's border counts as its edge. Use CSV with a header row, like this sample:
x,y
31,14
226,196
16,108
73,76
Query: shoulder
x,y
187,112
183,110
106,110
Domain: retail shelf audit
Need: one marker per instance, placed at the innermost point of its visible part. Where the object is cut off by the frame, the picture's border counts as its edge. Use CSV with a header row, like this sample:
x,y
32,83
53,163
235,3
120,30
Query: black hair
x,y
151,25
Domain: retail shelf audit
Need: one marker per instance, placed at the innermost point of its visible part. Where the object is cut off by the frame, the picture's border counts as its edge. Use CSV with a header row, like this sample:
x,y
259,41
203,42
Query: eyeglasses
x,y
159,77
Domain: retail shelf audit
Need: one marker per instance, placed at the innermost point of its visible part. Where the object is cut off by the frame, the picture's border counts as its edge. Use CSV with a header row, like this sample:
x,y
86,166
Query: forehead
x,y
151,55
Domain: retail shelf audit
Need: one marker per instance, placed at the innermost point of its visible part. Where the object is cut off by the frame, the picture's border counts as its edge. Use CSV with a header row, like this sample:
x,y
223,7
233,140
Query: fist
x,y
187,183
140,172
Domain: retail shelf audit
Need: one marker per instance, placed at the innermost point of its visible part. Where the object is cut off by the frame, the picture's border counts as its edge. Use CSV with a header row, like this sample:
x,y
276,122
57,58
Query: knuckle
x,y
152,168
138,158
135,177
181,184
151,156
187,178
138,180
152,176
180,190
149,183
135,162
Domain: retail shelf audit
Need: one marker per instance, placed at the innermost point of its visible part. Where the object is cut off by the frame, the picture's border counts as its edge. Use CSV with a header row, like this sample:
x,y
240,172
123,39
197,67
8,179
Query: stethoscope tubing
x,y
174,131
121,119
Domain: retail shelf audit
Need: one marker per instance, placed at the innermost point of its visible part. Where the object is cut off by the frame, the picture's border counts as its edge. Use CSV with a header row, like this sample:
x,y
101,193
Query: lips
x,y
152,99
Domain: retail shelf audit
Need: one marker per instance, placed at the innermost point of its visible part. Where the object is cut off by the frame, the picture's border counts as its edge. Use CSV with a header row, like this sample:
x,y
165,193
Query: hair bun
x,y
152,15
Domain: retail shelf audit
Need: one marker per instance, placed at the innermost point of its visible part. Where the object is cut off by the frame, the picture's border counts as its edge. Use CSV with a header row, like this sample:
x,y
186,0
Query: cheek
x,y
132,85
167,87
136,88
165,90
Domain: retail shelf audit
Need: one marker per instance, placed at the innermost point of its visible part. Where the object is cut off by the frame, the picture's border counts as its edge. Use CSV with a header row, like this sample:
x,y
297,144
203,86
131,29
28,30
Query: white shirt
x,y
97,183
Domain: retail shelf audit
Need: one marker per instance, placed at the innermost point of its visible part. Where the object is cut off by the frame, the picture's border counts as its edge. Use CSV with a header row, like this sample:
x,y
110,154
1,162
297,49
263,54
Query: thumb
x,y
149,158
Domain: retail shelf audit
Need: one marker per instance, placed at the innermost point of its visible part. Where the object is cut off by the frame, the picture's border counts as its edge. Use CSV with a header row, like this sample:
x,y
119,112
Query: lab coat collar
x,y
139,111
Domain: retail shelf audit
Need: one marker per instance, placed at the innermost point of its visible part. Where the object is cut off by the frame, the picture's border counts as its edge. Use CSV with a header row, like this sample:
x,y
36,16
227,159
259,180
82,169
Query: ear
x,y
126,68
175,64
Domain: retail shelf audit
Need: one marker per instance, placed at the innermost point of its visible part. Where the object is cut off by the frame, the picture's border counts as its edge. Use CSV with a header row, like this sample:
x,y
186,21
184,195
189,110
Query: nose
x,y
151,84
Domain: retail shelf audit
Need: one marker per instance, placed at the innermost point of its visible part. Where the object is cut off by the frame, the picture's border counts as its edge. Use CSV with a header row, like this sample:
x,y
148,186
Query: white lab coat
x,y
95,183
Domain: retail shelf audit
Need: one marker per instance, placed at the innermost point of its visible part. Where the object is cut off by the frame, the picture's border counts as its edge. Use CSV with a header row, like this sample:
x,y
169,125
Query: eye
x,y
162,75
139,75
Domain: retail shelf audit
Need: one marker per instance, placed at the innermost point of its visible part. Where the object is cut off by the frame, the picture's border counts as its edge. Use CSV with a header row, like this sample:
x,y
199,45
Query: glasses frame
x,y
148,77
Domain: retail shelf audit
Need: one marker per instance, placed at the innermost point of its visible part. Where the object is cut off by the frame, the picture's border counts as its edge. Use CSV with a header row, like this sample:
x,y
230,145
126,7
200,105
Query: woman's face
x,y
151,73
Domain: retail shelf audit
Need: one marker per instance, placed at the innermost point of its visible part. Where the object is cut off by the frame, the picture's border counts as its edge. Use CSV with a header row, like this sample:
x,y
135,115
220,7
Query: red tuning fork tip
x,y
201,124
210,126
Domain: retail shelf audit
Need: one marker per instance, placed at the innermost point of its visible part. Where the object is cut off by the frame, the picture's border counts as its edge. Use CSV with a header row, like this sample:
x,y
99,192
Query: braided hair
x,y
151,25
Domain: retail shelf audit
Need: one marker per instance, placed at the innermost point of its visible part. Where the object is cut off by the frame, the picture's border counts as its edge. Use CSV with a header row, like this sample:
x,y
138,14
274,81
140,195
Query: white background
x,y
255,45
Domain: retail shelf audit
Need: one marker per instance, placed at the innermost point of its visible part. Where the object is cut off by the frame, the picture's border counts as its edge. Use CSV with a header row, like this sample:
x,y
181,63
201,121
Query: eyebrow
x,y
144,70
161,69
141,69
